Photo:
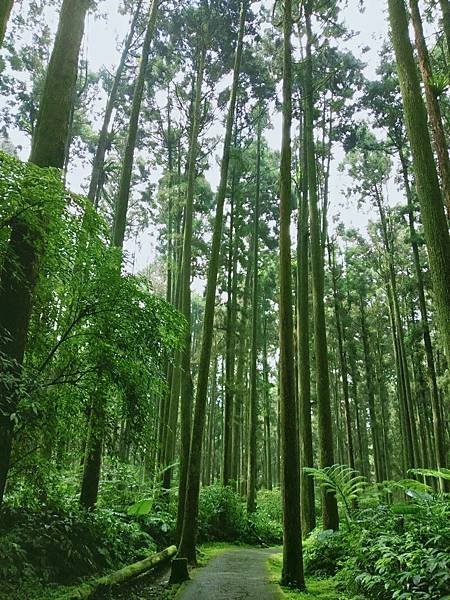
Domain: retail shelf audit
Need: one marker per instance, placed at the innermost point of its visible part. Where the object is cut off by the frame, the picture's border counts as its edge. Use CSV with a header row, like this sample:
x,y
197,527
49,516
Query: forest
x,y
224,299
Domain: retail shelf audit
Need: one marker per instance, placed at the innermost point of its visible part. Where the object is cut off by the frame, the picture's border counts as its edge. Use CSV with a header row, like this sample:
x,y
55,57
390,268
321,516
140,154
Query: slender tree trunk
x,y
26,244
230,350
342,357
267,411
438,425
121,205
432,103
329,503
189,530
5,12
445,9
432,210
292,573
307,495
186,271
253,416
102,144
240,381
93,451
374,427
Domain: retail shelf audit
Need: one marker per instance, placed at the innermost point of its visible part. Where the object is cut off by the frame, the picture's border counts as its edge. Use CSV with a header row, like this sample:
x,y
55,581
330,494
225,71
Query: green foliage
x,y
324,552
342,481
221,514
265,524
393,556
62,544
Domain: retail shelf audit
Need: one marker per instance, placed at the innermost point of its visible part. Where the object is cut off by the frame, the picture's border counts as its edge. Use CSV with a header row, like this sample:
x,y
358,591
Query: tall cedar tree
x,y
186,270
5,13
189,530
432,102
253,416
121,206
433,217
304,361
292,573
26,245
102,144
329,503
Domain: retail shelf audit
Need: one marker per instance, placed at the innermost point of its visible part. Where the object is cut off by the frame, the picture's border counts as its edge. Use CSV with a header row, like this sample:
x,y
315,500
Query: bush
x,y
221,515
265,525
57,545
324,551
401,556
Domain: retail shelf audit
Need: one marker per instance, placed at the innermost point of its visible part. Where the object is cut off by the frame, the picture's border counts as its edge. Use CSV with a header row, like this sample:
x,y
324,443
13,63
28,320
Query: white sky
x,y
100,48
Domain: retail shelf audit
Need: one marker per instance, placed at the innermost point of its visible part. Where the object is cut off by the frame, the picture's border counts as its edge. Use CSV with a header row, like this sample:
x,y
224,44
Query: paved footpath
x,y
239,574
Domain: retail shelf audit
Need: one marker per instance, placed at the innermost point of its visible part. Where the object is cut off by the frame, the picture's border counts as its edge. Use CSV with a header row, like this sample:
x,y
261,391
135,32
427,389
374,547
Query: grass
x,y
316,589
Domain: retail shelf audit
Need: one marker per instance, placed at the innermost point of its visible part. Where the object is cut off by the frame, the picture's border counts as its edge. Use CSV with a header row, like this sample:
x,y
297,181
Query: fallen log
x,y
87,590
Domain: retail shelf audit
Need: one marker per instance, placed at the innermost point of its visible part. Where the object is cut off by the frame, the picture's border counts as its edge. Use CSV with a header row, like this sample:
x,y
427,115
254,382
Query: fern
x,y
346,483
439,474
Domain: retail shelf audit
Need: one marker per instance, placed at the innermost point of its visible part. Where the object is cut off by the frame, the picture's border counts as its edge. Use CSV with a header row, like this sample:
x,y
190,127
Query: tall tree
x,y
189,530
21,266
102,144
121,205
253,415
432,102
329,503
186,270
292,573
428,190
5,12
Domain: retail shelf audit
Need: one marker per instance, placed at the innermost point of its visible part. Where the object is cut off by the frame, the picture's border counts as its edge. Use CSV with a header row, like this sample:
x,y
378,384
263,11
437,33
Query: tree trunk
x,y
253,416
93,452
445,8
438,425
342,357
26,244
189,531
121,204
267,412
292,573
434,110
186,271
5,12
102,144
307,495
329,503
432,210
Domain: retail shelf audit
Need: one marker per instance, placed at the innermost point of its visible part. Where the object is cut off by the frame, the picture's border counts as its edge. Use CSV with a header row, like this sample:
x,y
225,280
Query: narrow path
x,y
239,574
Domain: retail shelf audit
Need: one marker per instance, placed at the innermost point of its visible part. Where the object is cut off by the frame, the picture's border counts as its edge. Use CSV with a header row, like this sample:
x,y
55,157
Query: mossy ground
x,y
317,589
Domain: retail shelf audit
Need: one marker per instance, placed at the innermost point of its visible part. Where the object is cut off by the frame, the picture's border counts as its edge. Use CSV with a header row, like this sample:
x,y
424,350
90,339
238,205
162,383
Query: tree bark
x,y
26,244
292,572
102,144
189,530
253,416
431,206
5,13
307,495
186,271
432,102
329,503
121,205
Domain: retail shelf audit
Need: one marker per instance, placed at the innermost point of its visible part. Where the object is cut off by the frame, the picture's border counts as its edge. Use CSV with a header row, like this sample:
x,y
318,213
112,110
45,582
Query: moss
x,y
325,589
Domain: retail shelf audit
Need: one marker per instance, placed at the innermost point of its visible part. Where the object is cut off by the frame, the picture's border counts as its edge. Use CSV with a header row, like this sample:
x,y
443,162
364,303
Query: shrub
x,y
401,556
56,545
324,552
265,525
221,515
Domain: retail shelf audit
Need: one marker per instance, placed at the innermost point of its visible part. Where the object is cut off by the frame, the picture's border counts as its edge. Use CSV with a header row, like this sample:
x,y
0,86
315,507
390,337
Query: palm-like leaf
x,y
342,480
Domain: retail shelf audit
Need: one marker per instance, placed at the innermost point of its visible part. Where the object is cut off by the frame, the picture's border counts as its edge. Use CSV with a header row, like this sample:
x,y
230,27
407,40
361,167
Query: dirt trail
x,y
239,574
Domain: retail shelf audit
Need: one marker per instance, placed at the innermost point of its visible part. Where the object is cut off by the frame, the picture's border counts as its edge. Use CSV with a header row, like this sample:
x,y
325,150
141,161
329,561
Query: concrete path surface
x,y
239,574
